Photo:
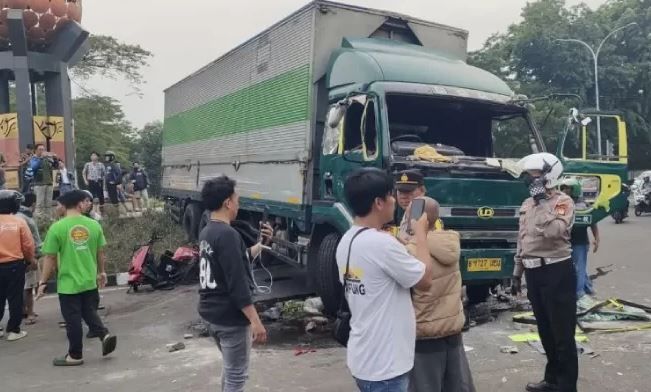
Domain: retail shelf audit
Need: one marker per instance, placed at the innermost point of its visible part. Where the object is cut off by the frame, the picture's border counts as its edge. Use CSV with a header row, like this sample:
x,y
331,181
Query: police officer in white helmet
x,y
544,254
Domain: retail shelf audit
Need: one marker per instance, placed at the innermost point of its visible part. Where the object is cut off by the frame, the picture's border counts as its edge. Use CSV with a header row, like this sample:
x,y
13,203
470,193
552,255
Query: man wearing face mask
x,y
544,254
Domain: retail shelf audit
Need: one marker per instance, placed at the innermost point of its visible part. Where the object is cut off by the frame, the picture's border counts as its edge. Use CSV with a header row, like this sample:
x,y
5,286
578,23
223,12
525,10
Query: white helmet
x,y
545,162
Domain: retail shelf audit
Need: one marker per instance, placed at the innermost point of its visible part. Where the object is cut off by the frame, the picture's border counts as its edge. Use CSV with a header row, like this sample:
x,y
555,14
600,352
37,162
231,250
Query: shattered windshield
x,y
458,128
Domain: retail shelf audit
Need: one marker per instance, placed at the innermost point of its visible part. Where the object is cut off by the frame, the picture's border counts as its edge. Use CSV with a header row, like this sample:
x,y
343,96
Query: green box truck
x,y
332,88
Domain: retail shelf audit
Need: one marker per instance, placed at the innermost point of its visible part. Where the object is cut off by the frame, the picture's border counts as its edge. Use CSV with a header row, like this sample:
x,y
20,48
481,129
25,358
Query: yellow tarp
x,y
429,153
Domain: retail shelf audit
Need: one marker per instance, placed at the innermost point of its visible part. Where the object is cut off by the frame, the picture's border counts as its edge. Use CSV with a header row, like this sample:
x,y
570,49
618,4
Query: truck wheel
x,y
205,218
327,279
477,293
191,220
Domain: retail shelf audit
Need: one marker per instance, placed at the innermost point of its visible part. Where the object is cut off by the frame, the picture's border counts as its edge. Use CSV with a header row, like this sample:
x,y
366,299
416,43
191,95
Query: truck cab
x,y
409,108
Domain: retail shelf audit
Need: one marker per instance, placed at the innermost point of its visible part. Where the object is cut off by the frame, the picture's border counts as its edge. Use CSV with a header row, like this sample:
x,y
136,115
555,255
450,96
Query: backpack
x,y
33,167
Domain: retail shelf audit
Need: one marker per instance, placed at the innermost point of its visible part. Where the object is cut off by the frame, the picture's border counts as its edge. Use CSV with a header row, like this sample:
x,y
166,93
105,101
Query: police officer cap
x,y
109,153
408,180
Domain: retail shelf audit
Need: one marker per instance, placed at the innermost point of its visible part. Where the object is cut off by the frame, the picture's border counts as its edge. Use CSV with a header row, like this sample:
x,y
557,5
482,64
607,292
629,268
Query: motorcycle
x,y
180,267
642,203
620,214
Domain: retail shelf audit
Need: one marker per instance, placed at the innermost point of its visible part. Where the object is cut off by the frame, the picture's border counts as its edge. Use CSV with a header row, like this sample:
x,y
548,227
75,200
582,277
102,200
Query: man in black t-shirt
x,y
226,294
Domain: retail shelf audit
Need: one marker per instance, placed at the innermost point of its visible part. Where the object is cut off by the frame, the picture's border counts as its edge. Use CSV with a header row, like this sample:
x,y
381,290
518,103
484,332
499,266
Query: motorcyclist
x,y
646,187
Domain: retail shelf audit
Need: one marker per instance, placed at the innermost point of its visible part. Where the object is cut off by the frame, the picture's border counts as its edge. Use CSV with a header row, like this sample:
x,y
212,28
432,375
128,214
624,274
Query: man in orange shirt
x,y
16,254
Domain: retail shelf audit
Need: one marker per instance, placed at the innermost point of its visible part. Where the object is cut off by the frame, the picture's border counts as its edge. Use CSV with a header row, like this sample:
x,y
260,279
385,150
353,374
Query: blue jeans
x,y
397,384
580,258
235,346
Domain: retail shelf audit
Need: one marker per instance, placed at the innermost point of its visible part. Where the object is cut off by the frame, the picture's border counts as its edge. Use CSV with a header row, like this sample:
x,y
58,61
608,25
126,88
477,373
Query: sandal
x,y
31,320
67,361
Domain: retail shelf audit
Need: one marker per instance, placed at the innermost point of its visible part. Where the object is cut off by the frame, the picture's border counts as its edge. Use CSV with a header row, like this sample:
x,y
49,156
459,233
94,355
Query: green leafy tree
x,y
530,57
100,125
113,59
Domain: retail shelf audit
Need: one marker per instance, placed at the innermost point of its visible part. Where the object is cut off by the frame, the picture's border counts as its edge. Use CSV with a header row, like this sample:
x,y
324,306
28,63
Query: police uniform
x,y
407,181
544,255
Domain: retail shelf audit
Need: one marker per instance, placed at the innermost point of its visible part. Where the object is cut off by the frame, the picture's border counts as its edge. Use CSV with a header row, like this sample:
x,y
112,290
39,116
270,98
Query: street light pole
x,y
595,58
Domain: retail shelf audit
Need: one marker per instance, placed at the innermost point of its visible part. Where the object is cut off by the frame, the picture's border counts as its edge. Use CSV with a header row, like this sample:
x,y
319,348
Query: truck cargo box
x,y
255,112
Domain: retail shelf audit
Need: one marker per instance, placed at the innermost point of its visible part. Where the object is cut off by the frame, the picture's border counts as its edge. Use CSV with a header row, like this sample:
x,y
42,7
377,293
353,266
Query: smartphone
x,y
265,219
416,210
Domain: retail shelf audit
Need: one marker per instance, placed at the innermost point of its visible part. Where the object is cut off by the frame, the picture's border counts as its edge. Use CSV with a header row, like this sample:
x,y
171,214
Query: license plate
x,y
478,265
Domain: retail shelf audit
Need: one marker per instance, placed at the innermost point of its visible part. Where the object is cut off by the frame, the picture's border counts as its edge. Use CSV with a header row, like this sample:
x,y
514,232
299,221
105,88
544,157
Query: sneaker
x,y
108,344
12,336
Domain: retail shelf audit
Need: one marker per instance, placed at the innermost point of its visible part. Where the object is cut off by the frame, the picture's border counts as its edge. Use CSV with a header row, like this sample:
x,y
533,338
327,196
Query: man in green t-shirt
x,y
74,247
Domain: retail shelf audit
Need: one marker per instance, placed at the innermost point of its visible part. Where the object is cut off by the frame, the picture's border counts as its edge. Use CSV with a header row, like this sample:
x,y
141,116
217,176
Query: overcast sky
x,y
184,35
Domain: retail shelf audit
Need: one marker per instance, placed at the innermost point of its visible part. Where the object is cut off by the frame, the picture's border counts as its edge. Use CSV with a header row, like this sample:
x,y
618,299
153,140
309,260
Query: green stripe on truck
x,y
281,100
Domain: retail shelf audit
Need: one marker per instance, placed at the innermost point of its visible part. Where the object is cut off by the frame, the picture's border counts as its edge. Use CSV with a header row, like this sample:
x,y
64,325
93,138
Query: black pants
x,y
12,284
552,292
112,190
74,308
440,365
97,189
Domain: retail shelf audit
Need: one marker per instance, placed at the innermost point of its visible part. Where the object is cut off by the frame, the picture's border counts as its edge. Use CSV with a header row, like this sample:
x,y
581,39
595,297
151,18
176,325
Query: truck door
x,y
351,140
594,149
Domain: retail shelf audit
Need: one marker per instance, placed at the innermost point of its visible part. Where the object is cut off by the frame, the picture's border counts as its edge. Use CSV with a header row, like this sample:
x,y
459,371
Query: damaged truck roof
x,y
366,60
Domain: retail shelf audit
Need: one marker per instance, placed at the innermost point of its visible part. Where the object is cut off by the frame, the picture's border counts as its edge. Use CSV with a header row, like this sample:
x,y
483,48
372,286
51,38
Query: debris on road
x,y
176,347
467,348
188,336
603,271
313,306
311,326
302,350
199,328
509,350
293,310
271,314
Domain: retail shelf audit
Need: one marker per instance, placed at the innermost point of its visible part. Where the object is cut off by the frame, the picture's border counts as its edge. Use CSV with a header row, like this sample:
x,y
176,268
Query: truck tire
x,y
477,293
205,218
191,220
327,279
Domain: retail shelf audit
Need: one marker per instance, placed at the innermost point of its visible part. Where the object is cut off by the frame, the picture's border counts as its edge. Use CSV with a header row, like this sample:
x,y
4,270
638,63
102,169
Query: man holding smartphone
x,y
226,292
382,341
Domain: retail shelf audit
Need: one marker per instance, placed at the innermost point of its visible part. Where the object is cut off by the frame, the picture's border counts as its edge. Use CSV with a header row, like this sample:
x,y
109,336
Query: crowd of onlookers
x,y
42,173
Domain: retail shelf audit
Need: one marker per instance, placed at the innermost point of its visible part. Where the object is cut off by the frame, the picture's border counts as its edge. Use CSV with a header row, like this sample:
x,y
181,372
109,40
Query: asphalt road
x,y
146,322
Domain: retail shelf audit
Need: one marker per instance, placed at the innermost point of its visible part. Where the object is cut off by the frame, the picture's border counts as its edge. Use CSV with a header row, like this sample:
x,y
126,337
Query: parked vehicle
x,y
333,88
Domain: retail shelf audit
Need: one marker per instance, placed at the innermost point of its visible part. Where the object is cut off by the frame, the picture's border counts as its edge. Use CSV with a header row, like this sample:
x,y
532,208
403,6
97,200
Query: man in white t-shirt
x,y
380,276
